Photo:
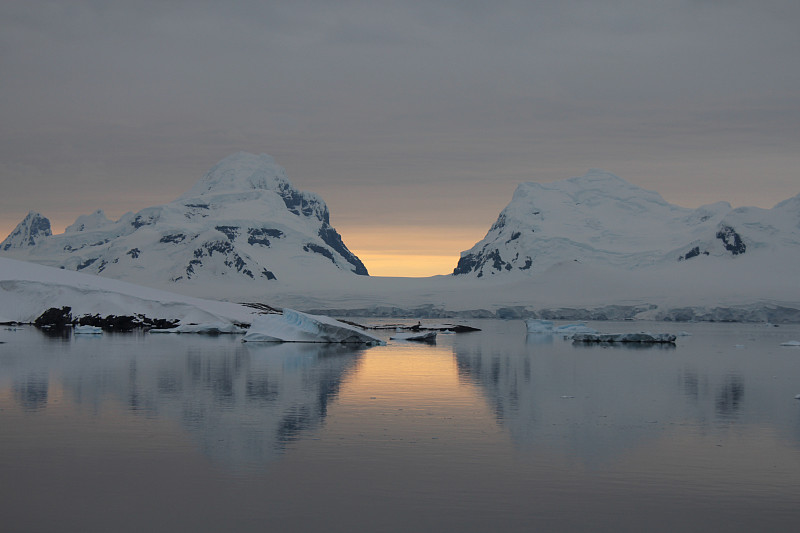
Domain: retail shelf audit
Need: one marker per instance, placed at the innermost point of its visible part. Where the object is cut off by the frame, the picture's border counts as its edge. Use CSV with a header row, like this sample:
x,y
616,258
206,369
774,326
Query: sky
x,y
415,121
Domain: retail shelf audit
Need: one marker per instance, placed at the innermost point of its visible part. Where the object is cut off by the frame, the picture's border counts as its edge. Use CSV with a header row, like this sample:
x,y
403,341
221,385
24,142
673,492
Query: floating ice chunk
x,y
644,337
294,326
790,343
684,334
423,336
87,330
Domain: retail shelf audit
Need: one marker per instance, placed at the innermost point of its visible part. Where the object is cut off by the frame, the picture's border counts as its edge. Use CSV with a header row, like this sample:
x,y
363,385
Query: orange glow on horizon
x,y
410,251
408,265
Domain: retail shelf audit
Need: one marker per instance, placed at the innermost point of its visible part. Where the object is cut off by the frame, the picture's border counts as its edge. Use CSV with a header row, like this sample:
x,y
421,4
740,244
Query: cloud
x,y
113,99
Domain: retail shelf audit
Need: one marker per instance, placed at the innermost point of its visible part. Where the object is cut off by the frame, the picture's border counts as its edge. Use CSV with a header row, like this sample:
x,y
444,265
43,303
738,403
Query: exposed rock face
x,y
242,223
601,219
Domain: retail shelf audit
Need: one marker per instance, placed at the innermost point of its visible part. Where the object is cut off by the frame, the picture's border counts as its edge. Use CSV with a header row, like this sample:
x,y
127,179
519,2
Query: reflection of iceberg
x,y
207,328
294,326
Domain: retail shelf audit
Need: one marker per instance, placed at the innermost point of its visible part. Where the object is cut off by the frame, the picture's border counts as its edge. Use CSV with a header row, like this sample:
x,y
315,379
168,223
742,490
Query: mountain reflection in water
x,y
242,403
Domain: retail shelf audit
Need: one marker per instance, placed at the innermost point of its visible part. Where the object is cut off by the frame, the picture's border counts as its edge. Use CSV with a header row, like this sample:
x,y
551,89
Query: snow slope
x,y
241,228
27,290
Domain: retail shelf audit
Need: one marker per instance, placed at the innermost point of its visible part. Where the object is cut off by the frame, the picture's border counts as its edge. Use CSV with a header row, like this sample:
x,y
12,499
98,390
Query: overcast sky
x,y
401,115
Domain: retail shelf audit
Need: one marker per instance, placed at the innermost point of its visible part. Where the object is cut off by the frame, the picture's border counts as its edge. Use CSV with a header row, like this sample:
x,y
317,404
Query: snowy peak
x,y
600,218
33,228
241,172
245,173
95,220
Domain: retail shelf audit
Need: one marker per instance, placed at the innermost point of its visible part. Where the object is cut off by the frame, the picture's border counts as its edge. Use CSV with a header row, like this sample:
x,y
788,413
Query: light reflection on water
x,y
496,430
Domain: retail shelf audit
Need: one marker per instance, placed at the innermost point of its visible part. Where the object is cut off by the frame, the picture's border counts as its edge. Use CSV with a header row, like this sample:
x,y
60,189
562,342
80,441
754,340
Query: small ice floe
x,y
738,346
643,338
87,330
294,326
791,343
797,396
420,336
683,334
565,397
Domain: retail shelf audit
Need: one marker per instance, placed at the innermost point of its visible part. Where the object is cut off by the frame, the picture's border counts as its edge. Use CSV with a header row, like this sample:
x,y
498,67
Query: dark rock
x,y
332,238
259,235
321,250
173,238
55,318
231,232
86,263
731,240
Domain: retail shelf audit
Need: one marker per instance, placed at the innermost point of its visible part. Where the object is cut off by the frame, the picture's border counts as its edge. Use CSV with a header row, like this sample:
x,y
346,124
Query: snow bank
x,y
294,326
28,289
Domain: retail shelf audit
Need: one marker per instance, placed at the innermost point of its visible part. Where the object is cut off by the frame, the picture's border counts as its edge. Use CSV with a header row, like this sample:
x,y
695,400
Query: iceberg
x,y
294,326
644,337
87,330
423,336
791,343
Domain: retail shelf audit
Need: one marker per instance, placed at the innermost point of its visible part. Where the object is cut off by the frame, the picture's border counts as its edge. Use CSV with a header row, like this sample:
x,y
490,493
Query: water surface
x,y
490,431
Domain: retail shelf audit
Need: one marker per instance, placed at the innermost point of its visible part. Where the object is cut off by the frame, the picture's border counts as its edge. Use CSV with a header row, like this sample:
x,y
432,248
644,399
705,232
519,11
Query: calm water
x,y
489,431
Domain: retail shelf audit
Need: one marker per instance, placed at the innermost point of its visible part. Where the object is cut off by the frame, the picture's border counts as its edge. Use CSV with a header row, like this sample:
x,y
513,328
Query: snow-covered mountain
x,y
242,226
600,219
592,247
33,229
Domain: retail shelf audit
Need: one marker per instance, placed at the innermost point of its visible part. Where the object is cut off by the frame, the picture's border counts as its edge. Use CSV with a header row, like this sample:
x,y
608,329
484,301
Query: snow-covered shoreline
x,y
28,289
